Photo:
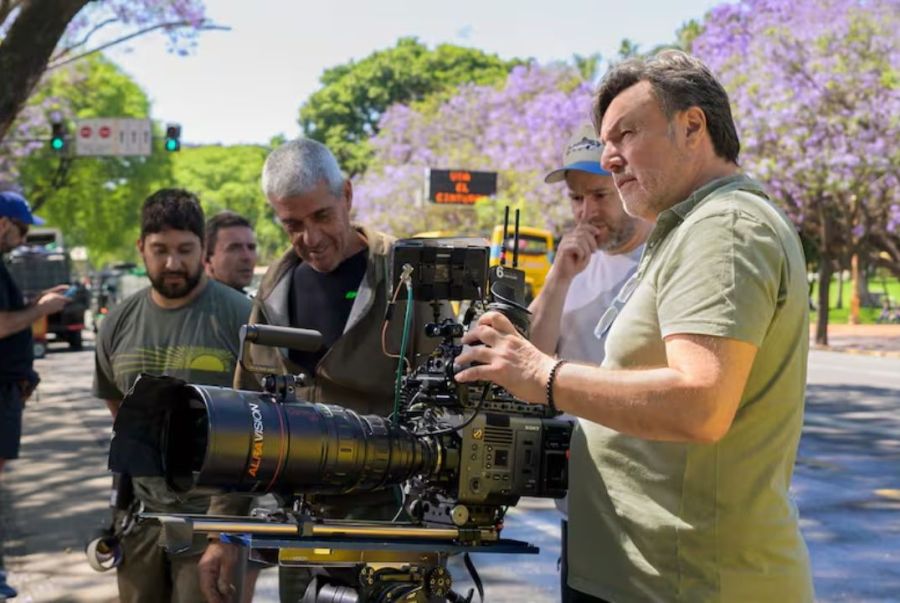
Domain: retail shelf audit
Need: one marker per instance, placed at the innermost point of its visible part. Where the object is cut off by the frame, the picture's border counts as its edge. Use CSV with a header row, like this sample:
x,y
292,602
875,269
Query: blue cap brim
x,y
591,167
37,221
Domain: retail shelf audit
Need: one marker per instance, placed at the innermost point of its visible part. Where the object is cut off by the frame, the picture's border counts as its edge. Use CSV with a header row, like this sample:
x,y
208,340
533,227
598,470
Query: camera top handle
x,y
303,340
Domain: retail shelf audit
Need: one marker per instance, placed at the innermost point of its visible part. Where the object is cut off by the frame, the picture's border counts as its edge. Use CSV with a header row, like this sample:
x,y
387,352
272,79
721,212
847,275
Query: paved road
x,y
847,480
847,485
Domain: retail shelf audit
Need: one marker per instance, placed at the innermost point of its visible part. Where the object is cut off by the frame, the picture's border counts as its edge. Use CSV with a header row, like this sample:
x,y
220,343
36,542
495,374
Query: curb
x,y
857,351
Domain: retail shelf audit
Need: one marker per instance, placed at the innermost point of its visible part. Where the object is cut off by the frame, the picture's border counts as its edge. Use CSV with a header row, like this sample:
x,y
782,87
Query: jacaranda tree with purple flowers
x,y
41,33
517,129
815,90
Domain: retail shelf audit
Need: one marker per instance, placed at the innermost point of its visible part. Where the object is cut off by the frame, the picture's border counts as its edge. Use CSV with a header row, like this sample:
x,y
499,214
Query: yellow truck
x,y
535,254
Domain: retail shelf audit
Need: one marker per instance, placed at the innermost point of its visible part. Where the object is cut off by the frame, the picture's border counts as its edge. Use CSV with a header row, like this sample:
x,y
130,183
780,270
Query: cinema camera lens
x,y
221,439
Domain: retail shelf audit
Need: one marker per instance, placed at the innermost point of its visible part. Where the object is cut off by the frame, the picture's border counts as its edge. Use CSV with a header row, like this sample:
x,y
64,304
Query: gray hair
x,y
297,167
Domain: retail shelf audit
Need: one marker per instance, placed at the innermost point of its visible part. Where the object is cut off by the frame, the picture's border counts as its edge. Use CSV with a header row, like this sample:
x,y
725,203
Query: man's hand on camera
x,y
575,250
506,358
217,567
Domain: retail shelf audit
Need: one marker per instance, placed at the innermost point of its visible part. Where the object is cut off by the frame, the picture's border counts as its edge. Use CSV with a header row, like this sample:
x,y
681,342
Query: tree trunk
x,y
825,271
853,317
27,48
840,300
866,299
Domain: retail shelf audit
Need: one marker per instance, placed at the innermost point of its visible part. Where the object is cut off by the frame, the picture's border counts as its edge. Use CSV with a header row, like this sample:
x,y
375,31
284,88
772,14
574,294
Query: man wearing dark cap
x,y
593,262
17,377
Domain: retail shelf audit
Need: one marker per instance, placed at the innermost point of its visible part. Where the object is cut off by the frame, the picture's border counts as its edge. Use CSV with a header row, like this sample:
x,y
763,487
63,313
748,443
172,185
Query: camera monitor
x,y
453,269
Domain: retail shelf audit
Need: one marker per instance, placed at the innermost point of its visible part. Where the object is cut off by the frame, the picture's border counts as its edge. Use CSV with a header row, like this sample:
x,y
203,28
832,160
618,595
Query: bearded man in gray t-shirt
x,y
184,325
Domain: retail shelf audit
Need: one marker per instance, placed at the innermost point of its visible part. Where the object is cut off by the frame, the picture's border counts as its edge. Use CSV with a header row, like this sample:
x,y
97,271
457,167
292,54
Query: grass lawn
x,y
866,315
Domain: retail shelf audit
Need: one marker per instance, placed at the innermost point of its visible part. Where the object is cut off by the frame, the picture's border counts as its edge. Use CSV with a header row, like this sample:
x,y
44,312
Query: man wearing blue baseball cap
x,y
17,377
593,262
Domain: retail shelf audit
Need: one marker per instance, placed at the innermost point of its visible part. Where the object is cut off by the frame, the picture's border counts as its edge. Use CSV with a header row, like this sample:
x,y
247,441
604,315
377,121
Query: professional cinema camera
x,y
463,454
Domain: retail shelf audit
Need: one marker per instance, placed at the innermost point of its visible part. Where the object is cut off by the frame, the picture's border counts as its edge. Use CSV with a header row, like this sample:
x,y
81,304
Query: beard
x,y
175,290
6,244
617,234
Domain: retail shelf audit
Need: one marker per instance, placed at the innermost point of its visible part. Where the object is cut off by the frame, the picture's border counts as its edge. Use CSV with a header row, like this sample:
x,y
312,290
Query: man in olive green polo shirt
x,y
679,476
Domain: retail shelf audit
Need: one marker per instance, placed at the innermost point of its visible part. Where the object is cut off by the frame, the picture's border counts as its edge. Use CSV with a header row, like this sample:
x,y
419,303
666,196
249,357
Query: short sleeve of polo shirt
x,y
722,275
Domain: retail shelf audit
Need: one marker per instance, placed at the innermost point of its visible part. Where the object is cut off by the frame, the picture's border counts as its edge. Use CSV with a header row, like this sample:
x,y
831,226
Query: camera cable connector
x,y
406,279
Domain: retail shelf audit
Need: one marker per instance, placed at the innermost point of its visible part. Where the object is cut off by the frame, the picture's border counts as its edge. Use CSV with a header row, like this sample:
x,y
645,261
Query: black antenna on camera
x,y
505,236
516,242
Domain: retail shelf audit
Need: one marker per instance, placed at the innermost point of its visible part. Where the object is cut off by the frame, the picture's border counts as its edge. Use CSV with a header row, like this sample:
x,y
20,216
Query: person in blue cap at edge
x,y
17,376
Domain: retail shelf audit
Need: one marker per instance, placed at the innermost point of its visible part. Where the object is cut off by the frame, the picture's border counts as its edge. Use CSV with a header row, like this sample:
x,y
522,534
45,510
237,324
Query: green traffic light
x,y
57,144
171,144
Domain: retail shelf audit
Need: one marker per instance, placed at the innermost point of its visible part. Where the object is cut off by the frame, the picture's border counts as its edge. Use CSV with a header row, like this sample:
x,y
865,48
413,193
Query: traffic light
x,y
173,138
58,137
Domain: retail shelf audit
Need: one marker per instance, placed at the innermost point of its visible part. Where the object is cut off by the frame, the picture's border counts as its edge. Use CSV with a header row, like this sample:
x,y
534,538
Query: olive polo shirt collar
x,y
670,218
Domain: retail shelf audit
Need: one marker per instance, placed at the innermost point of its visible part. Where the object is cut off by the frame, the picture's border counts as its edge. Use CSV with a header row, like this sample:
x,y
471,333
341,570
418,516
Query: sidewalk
x,y
873,340
55,495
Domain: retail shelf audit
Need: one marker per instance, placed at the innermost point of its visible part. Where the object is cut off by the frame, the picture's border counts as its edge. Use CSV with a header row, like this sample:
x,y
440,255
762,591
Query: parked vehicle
x,y
114,284
535,256
42,262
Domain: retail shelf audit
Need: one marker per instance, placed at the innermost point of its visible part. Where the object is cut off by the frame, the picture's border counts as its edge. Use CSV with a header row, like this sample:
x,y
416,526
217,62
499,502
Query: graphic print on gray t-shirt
x,y
197,343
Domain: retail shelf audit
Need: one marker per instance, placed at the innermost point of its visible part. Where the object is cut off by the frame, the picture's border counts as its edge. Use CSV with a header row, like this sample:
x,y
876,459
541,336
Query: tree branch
x,y
136,34
84,40
6,8
888,244
27,48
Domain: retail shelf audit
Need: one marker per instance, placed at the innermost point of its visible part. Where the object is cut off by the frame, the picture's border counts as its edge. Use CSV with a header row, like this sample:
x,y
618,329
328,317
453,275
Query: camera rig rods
x,y
314,528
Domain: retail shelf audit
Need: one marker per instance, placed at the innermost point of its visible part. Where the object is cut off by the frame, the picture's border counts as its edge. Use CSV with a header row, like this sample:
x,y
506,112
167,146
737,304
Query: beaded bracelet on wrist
x,y
550,380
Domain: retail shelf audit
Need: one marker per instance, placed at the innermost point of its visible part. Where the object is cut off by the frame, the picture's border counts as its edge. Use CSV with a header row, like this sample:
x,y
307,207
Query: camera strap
x,y
473,573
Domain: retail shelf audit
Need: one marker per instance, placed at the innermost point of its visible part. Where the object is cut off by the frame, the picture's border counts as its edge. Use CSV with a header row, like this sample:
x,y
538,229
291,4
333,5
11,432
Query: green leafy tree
x,y
628,48
95,201
227,177
588,66
687,33
346,111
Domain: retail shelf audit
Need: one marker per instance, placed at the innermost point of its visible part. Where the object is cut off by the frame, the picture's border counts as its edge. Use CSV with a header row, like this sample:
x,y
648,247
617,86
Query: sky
x,y
246,85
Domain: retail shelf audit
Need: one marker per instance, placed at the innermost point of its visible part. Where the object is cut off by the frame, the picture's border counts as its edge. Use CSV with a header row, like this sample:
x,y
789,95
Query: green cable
x,y
407,325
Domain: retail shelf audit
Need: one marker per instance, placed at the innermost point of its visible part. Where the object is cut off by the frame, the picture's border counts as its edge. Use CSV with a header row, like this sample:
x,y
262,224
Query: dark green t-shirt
x,y
322,301
198,343
672,521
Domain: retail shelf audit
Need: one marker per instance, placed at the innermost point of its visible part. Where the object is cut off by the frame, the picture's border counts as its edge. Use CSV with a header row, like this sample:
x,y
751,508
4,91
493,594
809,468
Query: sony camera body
x,y
506,448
